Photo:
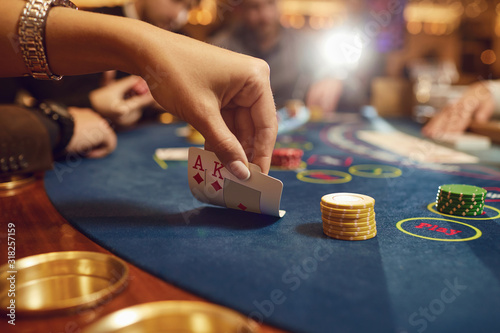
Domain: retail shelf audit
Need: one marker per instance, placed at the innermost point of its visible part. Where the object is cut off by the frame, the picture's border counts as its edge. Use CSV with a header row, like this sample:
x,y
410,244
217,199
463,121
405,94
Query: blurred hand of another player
x,y
324,94
93,137
122,100
226,96
476,104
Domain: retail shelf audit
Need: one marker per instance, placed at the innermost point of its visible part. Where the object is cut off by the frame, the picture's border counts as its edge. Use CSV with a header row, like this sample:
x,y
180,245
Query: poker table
x,y
285,273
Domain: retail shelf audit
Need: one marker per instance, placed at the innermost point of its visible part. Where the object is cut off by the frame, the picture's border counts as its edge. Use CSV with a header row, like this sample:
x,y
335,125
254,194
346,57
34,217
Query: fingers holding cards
x,y
245,131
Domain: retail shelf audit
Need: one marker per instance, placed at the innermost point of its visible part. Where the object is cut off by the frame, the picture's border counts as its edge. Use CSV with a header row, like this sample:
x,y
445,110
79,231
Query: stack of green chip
x,y
464,200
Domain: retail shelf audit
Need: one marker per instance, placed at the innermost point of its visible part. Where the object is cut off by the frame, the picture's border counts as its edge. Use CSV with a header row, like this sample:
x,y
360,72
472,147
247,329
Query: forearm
x,y
12,62
494,88
80,42
77,42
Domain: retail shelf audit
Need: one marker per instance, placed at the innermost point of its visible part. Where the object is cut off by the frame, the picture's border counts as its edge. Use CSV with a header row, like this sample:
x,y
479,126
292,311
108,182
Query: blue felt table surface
x,y
287,272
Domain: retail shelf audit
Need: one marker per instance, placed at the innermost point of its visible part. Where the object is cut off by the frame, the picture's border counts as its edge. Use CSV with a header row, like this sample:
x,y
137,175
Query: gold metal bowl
x,y
13,182
61,281
174,316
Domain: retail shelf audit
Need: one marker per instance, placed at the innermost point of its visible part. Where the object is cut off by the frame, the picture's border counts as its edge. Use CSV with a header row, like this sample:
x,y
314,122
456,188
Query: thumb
x,y
220,140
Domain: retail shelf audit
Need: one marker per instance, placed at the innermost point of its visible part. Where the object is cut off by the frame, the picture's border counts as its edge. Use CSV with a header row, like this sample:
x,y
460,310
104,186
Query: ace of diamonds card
x,y
212,183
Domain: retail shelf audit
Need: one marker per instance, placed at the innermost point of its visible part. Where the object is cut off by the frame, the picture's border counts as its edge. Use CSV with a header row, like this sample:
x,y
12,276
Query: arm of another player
x,y
92,136
195,81
122,101
476,104
325,93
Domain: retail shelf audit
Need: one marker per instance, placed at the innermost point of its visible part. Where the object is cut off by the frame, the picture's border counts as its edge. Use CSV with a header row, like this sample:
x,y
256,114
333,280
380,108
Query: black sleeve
x,y
24,142
52,128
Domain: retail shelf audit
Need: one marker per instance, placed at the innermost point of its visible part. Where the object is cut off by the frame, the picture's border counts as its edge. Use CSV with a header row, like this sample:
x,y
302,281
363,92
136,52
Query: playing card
x,y
172,154
214,188
254,167
209,180
197,177
238,196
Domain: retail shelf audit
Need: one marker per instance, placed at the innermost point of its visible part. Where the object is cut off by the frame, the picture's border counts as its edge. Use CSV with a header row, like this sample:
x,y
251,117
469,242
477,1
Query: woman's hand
x,y
224,95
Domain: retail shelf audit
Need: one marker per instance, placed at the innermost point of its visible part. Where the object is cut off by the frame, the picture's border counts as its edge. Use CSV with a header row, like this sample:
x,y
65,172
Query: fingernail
x,y
240,170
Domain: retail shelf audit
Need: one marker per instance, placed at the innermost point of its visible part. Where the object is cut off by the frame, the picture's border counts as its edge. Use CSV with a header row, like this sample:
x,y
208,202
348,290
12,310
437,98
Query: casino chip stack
x,y
348,216
287,158
464,200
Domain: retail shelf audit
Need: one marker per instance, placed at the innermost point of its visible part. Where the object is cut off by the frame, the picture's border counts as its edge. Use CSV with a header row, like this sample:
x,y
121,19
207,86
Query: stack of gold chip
x,y
348,216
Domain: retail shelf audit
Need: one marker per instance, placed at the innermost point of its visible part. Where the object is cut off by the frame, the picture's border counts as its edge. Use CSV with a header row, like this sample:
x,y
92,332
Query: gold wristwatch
x,y
32,36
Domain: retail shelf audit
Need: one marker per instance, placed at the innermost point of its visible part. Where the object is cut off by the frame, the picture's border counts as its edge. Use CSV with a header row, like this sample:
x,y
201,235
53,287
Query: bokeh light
x,y
488,57
342,48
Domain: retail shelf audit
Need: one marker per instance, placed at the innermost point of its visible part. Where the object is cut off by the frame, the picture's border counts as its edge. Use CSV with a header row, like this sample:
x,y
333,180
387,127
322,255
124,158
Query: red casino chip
x,y
287,158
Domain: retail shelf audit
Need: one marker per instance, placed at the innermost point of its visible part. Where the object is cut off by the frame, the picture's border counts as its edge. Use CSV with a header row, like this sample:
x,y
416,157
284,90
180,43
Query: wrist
x,y
32,36
60,115
92,101
150,46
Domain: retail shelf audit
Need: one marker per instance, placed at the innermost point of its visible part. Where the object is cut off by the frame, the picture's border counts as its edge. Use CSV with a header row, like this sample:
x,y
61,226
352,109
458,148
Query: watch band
x,y
32,36
58,113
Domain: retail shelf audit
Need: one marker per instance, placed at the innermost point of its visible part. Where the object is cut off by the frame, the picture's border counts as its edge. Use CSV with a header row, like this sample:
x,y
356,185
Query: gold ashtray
x,y
13,182
61,281
174,316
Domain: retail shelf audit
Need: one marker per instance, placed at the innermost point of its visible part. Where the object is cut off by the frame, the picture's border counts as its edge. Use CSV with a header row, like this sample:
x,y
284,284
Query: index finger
x,y
256,95
263,113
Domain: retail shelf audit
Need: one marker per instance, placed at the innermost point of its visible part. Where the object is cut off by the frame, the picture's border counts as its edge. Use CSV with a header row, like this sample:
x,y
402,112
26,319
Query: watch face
x,y
57,108
59,113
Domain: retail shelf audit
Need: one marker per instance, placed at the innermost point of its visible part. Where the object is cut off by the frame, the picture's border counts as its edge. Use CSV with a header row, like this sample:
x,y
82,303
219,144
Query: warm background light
x,y
433,18
488,57
204,14
99,3
315,14
432,26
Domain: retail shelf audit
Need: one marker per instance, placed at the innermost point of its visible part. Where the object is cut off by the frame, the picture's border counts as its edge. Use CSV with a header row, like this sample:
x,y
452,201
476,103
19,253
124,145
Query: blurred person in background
x,y
479,103
297,72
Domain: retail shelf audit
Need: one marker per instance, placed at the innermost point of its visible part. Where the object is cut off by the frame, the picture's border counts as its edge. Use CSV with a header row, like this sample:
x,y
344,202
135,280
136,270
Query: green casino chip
x,y
457,203
462,190
458,196
459,206
456,200
451,212
475,209
460,210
